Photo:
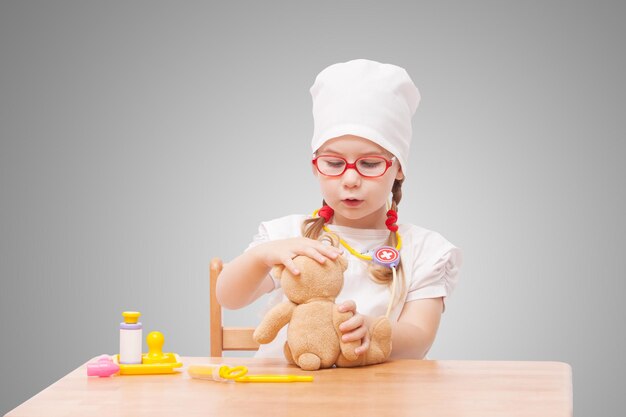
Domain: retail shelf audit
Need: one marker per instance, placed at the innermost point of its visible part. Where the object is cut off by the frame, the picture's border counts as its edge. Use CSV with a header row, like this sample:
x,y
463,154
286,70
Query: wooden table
x,y
396,388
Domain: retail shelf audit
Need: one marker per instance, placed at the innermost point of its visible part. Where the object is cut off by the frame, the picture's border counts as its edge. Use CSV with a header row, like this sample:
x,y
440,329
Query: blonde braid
x,y
382,274
313,228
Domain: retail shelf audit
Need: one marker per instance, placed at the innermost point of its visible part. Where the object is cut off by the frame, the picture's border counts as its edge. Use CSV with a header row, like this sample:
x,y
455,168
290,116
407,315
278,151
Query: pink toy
x,y
102,366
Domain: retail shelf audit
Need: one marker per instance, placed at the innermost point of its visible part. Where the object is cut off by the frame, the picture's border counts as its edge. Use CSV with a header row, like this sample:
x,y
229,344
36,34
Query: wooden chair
x,y
225,338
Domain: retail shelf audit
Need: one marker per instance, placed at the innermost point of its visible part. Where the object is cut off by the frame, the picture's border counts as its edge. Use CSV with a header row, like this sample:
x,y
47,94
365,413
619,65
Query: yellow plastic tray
x,y
171,361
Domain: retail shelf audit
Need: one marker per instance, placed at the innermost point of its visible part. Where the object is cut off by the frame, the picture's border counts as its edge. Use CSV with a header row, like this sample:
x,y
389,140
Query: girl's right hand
x,y
282,251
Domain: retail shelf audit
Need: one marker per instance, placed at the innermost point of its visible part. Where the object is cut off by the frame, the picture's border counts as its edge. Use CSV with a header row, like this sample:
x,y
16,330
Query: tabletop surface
x,y
395,388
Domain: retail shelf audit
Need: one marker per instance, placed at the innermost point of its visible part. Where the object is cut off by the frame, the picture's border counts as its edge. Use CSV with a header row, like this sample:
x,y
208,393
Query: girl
x,y
362,114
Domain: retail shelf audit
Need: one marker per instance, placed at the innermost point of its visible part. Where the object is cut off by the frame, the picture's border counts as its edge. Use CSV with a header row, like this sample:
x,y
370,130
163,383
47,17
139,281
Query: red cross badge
x,y
386,256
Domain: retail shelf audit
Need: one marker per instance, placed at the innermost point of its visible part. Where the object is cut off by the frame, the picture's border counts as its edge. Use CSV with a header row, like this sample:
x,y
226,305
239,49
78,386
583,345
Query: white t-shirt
x,y
429,261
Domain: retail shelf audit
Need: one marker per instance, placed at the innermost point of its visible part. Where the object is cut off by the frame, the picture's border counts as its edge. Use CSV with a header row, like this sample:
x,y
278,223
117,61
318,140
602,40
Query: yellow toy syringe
x,y
221,372
274,378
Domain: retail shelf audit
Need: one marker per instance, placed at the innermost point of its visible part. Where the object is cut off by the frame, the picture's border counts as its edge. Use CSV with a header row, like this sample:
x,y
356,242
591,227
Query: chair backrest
x,y
225,338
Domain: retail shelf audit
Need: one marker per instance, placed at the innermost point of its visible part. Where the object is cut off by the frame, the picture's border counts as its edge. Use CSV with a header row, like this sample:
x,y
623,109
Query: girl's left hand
x,y
355,328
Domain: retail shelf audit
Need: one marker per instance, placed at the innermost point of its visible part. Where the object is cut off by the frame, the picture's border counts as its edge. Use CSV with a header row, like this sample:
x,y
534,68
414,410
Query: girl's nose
x,y
351,178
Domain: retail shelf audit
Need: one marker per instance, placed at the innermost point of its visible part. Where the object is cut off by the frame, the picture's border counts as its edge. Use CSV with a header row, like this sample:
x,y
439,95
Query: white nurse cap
x,y
368,99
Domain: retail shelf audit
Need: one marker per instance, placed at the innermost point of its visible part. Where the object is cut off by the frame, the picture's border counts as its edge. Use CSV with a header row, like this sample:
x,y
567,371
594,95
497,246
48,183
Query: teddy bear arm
x,y
347,348
274,320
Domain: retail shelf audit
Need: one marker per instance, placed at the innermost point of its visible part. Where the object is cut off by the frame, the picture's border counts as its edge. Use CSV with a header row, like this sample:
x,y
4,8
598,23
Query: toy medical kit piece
x,y
130,360
275,378
130,338
389,257
153,362
221,372
102,366
215,372
386,256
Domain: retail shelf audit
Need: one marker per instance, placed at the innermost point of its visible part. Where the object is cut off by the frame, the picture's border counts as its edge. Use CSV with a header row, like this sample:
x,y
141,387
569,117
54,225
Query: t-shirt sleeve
x,y
263,236
435,271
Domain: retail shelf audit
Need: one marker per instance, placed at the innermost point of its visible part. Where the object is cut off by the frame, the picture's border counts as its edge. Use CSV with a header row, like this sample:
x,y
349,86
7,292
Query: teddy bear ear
x,y
277,270
330,239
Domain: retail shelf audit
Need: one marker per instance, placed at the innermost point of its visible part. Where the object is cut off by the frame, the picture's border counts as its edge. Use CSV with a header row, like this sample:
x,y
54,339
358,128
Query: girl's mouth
x,y
351,202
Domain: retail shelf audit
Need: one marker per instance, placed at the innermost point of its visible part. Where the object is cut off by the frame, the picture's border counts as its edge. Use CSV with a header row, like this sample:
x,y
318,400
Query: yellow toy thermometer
x,y
222,372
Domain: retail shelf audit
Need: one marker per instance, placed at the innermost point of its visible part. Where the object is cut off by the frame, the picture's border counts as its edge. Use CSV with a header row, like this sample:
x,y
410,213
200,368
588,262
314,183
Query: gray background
x,y
140,139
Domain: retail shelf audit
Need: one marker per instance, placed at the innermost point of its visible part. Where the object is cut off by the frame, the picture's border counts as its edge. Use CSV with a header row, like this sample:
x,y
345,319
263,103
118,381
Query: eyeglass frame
x,y
388,164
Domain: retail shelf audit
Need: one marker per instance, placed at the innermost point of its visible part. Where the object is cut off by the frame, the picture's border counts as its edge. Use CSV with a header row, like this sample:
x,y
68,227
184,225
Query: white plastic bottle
x,y
130,338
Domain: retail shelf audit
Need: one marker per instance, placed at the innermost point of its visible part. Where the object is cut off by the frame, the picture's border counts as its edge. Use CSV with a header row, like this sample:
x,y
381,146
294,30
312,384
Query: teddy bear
x,y
313,319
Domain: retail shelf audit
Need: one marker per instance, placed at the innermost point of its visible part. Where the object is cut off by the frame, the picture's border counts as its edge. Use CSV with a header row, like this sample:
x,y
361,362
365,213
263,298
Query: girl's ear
x,y
400,174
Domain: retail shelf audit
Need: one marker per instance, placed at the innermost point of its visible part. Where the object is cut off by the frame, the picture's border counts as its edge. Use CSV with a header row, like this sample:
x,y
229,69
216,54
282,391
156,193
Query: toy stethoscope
x,y
384,256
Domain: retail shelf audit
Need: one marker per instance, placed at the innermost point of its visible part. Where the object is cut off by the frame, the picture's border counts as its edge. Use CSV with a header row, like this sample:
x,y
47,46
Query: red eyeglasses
x,y
366,166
